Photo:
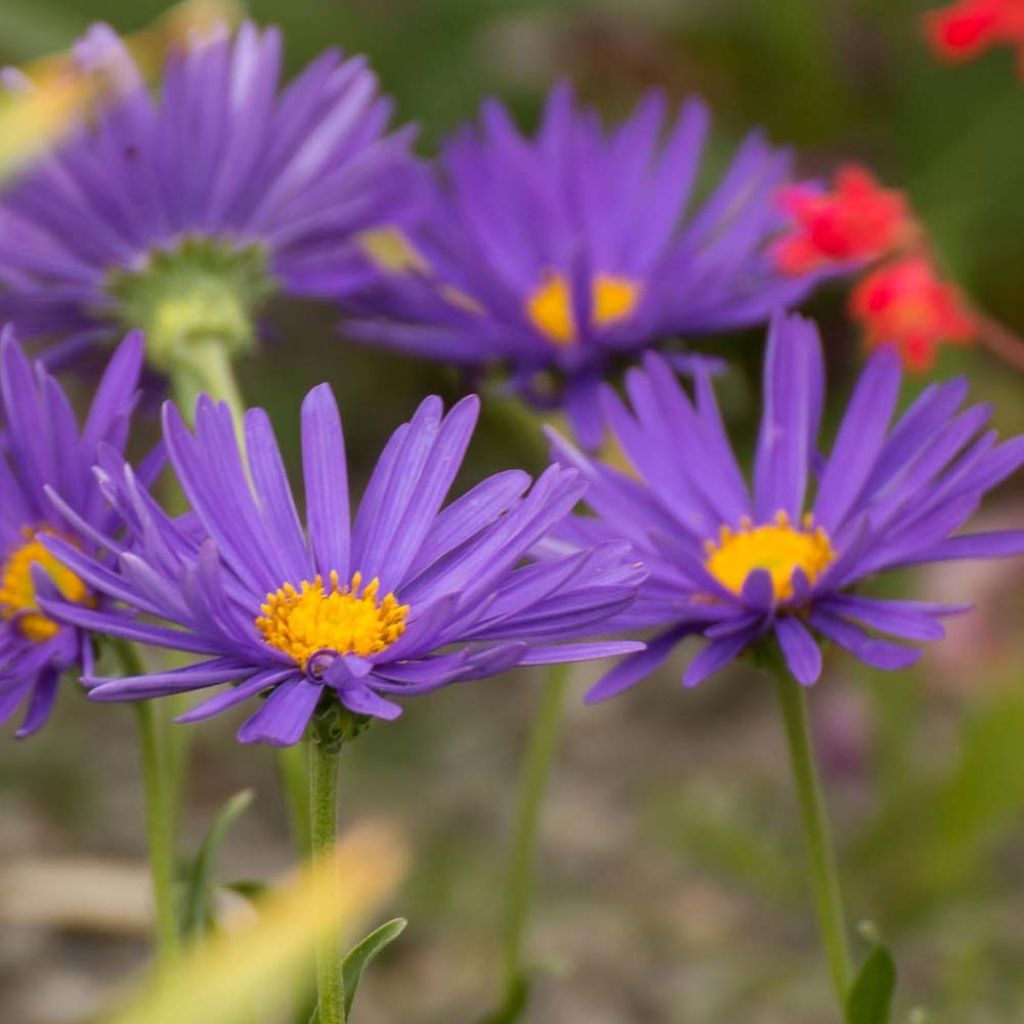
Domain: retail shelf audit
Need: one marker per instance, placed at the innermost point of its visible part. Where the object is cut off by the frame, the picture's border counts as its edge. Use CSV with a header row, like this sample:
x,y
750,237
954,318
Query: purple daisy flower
x,y
738,565
410,598
560,255
222,189
42,445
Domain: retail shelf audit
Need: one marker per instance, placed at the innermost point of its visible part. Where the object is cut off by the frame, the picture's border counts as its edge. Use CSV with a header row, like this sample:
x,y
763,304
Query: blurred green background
x,y
672,886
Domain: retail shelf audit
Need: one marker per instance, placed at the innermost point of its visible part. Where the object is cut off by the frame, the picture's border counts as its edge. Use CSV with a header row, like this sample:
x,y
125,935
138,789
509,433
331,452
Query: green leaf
x,y
514,1006
870,998
357,958
249,888
199,875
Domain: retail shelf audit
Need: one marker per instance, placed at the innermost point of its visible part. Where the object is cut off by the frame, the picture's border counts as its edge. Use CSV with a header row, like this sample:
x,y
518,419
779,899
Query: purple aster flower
x,y
738,565
180,213
43,446
410,598
562,254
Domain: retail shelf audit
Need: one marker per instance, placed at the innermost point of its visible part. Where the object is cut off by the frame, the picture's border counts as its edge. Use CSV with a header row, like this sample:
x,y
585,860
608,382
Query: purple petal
x,y
284,715
636,667
326,476
800,649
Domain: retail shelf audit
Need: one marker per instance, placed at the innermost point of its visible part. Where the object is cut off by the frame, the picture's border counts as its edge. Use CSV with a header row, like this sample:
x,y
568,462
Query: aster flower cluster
x,y
559,258
859,225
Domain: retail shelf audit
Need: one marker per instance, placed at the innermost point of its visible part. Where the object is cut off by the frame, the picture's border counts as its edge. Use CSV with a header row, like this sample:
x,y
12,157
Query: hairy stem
x,y
324,763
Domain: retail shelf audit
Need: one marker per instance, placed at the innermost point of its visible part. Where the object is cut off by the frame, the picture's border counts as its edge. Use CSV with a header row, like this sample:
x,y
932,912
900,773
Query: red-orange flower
x,y
905,304
858,221
969,27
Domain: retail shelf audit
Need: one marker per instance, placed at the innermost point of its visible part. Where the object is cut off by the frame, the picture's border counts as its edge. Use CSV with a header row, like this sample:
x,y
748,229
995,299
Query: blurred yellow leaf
x,y
54,93
251,973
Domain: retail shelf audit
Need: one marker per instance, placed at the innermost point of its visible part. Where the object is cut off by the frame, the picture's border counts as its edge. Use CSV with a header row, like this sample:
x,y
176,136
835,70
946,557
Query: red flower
x,y
858,221
903,303
969,27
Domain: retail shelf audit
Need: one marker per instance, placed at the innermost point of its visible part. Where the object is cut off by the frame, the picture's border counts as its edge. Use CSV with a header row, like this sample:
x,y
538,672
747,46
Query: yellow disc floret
x,y
313,618
777,547
18,593
550,307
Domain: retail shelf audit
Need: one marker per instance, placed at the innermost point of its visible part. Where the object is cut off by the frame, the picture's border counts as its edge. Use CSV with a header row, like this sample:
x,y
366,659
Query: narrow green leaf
x,y
249,888
199,875
870,998
514,1006
362,953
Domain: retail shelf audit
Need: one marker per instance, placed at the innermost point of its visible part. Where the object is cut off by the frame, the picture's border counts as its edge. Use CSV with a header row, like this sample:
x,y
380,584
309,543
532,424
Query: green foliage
x,y
199,876
870,998
360,955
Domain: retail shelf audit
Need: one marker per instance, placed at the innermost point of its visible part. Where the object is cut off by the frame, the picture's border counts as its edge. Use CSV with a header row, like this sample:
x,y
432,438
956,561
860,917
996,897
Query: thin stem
x,y
824,875
999,339
208,370
158,786
536,773
324,762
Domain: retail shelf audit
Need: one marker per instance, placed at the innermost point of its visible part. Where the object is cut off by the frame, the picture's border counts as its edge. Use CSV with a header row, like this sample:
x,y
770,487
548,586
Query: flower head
x,y
969,27
410,598
179,214
905,304
858,221
739,565
559,255
43,446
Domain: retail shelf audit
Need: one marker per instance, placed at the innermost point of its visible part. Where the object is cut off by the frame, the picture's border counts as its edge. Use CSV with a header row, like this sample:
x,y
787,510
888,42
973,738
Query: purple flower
x,y
43,446
737,565
411,597
221,189
559,256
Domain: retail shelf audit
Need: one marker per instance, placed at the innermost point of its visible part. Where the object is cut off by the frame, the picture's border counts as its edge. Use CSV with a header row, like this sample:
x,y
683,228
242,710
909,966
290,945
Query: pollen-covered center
x,y
550,307
777,547
18,593
317,618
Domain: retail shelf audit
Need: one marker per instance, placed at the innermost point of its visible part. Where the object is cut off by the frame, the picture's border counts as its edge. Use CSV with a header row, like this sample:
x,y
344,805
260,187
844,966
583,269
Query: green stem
x,y
209,369
158,786
824,875
324,762
536,773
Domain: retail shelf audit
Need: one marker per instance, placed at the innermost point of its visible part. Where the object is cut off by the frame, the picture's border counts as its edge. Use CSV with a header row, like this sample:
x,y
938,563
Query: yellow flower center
x,y
338,619
777,547
18,594
549,307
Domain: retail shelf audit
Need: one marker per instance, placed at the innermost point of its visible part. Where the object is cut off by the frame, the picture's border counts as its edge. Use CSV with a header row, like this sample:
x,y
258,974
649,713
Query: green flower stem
x,y
536,773
208,368
324,762
158,786
824,876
